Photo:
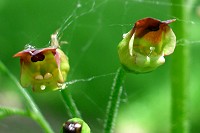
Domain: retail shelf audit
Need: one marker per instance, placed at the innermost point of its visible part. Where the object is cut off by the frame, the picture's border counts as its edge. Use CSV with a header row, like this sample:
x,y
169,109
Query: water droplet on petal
x,y
152,48
42,87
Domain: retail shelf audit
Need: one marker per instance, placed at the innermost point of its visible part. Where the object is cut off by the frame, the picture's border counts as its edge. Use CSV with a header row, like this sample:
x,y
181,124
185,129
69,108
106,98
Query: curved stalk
x,y
33,111
5,111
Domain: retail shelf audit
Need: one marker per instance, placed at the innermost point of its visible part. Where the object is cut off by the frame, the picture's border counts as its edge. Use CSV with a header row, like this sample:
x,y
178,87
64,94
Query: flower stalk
x,y
179,74
70,104
114,101
33,110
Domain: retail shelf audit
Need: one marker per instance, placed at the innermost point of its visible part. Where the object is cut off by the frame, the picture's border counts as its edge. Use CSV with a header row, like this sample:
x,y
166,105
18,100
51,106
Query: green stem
x,y
113,104
38,117
34,112
179,73
70,104
5,111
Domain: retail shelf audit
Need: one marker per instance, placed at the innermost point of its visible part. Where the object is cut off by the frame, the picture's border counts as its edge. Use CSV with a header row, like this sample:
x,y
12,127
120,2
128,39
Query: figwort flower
x,y
75,125
44,69
144,47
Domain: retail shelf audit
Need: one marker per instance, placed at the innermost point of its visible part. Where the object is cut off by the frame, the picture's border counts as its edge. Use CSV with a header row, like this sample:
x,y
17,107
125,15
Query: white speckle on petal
x,y
124,35
38,77
131,42
47,75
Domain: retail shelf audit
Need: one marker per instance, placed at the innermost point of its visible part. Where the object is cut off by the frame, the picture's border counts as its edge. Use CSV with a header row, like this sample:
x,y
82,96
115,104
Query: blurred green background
x,y
93,32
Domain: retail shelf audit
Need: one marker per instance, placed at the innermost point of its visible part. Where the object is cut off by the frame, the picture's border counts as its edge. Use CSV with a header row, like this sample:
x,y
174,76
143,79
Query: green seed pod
x,y
75,125
44,69
144,47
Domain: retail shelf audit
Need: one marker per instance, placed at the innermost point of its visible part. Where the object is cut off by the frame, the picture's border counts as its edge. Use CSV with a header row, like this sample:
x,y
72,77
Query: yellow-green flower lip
x,y
143,48
44,69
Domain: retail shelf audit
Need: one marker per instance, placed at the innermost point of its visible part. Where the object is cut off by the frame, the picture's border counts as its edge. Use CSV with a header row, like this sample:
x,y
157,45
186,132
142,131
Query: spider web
x,y
93,29
82,9
86,55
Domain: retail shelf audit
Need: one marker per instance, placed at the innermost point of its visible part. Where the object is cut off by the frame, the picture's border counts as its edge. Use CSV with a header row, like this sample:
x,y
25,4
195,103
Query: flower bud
x,y
75,125
143,48
44,69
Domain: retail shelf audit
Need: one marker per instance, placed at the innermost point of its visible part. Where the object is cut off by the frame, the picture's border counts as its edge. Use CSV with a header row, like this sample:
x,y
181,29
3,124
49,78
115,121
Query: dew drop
x,y
152,48
42,87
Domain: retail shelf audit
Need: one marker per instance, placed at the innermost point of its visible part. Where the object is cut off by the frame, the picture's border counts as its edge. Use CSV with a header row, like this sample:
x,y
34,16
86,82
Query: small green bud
x,y
75,125
144,47
44,69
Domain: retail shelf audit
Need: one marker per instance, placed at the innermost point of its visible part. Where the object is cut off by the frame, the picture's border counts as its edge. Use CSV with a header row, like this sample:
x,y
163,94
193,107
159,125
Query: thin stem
x,y
70,104
5,111
41,121
179,74
34,111
113,104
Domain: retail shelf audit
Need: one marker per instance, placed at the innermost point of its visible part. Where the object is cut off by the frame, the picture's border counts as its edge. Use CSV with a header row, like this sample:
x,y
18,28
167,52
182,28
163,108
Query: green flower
x,y
144,47
75,125
44,69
